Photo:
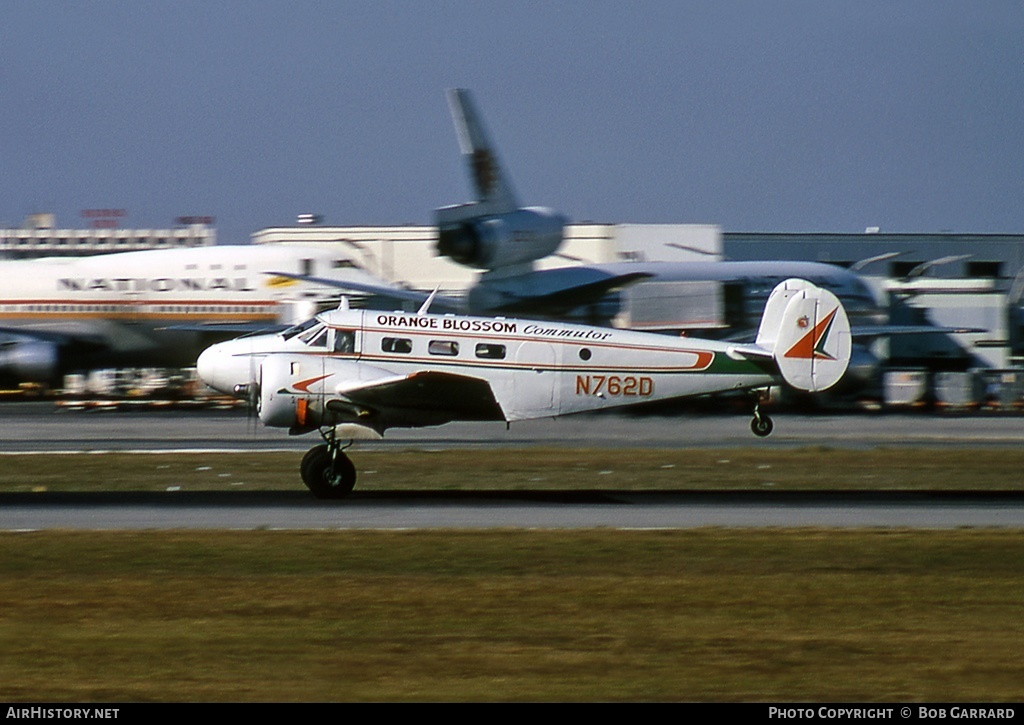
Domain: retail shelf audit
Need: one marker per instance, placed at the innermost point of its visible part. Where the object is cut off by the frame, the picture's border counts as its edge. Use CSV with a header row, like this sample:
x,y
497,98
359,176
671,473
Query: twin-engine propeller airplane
x,y
355,373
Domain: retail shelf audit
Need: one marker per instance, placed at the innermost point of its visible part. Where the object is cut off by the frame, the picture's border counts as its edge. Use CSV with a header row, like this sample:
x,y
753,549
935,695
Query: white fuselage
x,y
534,369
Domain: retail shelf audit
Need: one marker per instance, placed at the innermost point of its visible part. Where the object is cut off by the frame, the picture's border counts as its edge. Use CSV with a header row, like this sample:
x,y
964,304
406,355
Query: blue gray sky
x,y
756,115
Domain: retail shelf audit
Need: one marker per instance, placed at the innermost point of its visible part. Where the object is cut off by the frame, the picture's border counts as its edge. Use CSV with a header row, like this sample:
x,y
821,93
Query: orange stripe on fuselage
x,y
704,357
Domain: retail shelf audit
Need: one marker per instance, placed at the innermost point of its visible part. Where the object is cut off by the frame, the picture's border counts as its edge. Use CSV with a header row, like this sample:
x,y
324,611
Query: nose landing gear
x,y
327,472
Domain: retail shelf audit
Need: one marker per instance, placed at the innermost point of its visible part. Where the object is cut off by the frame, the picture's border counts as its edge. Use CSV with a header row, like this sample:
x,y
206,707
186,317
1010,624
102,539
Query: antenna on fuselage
x,y
426,303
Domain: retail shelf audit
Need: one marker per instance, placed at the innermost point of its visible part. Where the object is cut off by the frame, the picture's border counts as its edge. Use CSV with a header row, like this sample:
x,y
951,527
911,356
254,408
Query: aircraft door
x,y
536,379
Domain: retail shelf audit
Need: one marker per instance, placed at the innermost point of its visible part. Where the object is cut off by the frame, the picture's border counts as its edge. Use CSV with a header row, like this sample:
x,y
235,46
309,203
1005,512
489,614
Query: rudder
x,y
812,341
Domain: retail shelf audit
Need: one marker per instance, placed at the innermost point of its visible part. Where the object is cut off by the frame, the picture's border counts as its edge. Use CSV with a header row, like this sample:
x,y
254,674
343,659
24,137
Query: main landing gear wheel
x,y
327,475
761,425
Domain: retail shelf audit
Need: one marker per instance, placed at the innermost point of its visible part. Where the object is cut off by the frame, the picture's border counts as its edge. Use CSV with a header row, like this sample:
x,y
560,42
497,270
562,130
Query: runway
x,y
513,510
37,428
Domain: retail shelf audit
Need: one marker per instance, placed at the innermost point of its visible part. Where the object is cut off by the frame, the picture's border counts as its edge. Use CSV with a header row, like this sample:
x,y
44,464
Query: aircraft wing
x,y
32,351
83,336
434,392
236,328
568,298
447,304
862,333
869,331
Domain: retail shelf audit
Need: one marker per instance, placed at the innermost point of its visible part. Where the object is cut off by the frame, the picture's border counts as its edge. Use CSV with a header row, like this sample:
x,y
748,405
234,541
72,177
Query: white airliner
x,y
355,373
128,309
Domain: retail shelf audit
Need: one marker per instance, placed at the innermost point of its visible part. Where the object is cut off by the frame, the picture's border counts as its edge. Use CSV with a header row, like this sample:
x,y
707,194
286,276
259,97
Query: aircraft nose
x,y
214,368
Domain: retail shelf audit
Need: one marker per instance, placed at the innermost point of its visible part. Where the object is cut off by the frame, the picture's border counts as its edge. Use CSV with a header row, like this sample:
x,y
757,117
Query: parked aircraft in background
x,y
718,299
154,308
354,374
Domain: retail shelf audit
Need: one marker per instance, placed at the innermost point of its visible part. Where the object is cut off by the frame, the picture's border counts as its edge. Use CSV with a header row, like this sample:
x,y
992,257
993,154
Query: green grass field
x,y
721,615
537,468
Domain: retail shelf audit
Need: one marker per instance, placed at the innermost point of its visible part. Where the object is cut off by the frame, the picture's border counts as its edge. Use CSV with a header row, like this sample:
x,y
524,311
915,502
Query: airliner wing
x,y
427,391
83,335
31,351
396,293
869,331
52,336
560,302
237,328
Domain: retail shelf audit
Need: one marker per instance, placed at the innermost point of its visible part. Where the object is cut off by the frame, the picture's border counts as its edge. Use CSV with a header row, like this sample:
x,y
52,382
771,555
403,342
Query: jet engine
x,y
500,240
27,360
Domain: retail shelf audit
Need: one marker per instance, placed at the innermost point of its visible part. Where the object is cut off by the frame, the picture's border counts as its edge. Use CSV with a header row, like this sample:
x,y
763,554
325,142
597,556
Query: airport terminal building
x,y
39,236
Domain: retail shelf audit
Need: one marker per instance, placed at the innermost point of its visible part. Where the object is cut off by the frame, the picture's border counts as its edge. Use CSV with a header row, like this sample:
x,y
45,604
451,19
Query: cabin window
x,y
585,353
443,347
345,341
396,344
490,351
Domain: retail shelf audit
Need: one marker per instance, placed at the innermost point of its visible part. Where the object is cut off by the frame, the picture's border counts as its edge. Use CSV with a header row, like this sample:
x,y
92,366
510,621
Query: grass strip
x,y
817,468
779,615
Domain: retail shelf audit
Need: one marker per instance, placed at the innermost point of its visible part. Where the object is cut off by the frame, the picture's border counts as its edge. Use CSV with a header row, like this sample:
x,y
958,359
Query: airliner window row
x,y
88,240
168,309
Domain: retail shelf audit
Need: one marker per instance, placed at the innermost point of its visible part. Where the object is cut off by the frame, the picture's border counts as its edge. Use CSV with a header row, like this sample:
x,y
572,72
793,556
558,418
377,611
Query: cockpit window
x,y
315,337
299,328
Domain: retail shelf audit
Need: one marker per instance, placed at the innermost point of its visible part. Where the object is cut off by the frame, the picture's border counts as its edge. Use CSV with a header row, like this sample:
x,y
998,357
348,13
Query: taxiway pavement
x,y
39,428
513,510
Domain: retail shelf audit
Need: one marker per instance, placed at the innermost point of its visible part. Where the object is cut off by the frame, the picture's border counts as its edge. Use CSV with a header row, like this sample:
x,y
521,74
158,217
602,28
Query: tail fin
x,y
491,186
808,332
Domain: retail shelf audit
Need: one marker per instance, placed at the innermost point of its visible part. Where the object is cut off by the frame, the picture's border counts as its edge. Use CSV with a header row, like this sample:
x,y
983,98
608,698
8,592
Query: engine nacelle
x,y
290,396
29,361
500,240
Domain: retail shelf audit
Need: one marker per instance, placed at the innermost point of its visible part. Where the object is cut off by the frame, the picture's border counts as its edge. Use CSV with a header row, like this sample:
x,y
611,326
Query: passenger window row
x,y
448,348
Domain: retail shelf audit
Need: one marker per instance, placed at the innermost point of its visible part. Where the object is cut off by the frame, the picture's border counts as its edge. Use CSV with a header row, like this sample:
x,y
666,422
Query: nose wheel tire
x,y
327,475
